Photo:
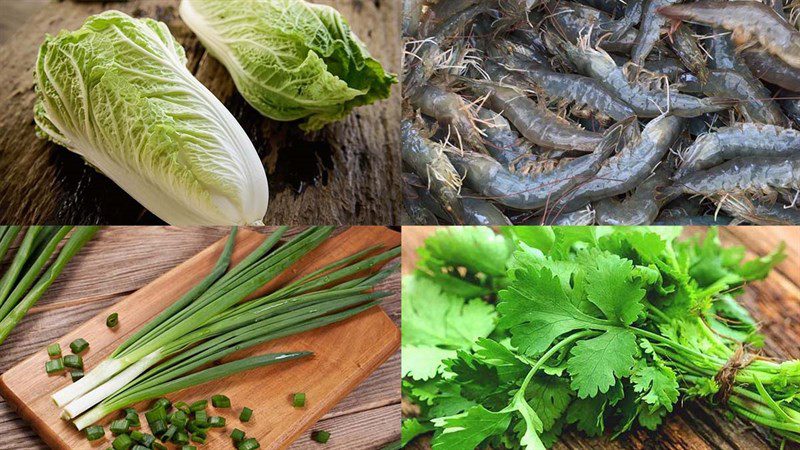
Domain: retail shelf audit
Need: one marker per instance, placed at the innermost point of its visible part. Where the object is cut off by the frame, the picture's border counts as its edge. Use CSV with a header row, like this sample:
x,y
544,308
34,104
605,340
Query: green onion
x,y
320,436
158,427
78,345
246,414
54,350
213,321
179,419
163,403
140,447
137,435
201,419
20,291
122,442
170,433
132,416
54,366
112,320
148,440
120,426
299,400
95,432
216,422
73,361
220,401
158,446
200,438
248,444
180,438
198,405
188,447
237,435
76,375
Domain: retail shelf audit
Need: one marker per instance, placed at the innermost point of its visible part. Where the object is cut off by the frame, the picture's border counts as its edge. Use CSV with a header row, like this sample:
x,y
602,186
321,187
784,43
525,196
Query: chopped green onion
x,y
200,438
122,442
76,375
95,432
188,447
246,414
112,320
73,361
237,435
248,444
158,446
169,434
216,422
179,419
54,366
198,405
156,413
54,350
78,345
133,417
201,419
320,436
220,401
158,427
140,447
120,426
163,402
181,438
137,435
183,406
299,400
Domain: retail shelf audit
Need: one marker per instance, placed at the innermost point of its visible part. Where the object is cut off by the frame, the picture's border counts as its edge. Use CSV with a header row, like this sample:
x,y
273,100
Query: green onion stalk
x,y
212,321
26,279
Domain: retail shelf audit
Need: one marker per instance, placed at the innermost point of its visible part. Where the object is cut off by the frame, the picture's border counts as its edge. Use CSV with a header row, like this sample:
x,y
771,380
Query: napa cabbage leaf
x,y
288,58
117,92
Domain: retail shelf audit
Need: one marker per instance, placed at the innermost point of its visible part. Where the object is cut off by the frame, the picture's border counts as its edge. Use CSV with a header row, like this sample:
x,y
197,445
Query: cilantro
x,y
599,329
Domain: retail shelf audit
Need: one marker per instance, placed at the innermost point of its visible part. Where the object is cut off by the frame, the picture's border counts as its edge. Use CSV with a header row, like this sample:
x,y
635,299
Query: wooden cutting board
x,y
344,354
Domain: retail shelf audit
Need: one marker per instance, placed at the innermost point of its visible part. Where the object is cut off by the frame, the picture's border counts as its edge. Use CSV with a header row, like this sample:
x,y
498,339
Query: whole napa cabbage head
x,y
288,58
117,92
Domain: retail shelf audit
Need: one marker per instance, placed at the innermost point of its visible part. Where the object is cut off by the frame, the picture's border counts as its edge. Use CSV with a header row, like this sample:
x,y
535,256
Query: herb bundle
x,y
509,338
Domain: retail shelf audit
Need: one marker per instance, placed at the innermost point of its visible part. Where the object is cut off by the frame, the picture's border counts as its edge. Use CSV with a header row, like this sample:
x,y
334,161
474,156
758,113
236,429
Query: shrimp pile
x,y
601,112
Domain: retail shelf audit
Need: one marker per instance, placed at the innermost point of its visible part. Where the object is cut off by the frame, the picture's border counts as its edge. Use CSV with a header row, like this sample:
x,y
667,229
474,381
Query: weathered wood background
x,y
775,302
118,261
348,173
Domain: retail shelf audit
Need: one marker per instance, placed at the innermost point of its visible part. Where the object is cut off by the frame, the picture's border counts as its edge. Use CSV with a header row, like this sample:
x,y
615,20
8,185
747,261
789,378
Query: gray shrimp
x,y
449,109
431,164
480,212
490,179
416,213
719,219
646,103
572,20
633,14
744,139
688,50
513,13
748,20
615,8
583,216
503,143
632,165
755,101
641,207
574,88
771,69
790,102
649,29
755,211
756,175
537,124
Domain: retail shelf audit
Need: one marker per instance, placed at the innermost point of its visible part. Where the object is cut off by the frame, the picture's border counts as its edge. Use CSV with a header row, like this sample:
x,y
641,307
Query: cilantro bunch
x,y
510,337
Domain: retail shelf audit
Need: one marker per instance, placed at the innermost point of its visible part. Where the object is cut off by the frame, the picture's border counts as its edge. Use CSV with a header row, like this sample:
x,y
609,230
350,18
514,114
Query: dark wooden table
x,y
348,173
774,302
118,261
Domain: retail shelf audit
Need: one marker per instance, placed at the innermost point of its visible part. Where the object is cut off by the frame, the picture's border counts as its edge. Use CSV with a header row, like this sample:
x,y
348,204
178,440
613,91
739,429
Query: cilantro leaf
x,y
549,397
422,362
657,385
537,310
412,428
610,286
468,430
596,363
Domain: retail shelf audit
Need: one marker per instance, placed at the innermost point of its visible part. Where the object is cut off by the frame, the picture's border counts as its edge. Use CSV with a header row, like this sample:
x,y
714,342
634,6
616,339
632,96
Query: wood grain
x,y
348,173
378,393
774,302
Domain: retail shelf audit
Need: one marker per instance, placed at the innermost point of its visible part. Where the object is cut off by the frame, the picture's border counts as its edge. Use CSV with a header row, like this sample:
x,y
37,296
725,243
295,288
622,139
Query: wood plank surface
x,y
774,302
347,173
354,417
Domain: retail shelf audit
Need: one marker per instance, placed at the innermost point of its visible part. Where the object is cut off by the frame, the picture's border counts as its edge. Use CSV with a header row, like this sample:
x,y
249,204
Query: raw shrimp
x,y
756,175
629,167
640,208
503,143
480,212
451,110
744,139
649,29
688,50
490,179
614,7
600,66
572,20
539,125
754,99
415,211
431,164
575,88
633,14
771,69
748,20
790,102
584,216
755,211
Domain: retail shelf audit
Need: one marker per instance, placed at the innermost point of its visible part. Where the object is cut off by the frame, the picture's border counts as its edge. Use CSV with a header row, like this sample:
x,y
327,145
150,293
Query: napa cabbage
x,y
118,93
288,58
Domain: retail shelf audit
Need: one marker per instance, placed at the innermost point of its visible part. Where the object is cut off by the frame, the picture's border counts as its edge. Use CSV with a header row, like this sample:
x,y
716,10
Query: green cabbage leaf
x,y
117,92
288,58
